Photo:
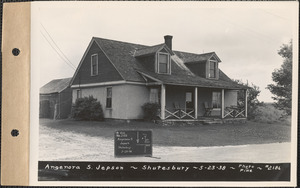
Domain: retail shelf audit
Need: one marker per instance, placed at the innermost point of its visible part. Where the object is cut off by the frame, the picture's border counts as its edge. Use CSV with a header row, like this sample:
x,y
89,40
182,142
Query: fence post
x,y
55,111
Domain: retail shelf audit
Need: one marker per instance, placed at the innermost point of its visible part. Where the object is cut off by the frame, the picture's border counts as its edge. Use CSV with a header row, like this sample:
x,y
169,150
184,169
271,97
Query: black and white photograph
x,y
185,92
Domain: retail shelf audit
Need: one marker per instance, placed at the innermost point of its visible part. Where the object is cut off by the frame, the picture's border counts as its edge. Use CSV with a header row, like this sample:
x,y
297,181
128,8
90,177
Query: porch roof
x,y
192,80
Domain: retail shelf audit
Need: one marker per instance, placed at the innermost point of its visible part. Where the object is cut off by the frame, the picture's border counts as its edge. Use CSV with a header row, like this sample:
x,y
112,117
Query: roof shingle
x,y
55,86
190,57
147,50
122,55
191,80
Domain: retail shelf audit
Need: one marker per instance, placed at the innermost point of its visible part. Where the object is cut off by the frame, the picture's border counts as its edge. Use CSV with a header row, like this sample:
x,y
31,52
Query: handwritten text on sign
x,y
133,143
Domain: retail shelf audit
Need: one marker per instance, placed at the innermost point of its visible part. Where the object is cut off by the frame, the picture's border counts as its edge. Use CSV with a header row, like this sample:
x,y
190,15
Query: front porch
x,y
185,103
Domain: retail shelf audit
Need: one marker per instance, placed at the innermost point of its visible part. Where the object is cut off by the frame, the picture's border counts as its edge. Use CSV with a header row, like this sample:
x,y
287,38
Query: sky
x,y
246,36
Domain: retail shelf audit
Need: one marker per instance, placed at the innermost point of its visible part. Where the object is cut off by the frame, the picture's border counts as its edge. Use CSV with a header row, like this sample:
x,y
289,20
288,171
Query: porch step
x,y
196,122
211,122
235,120
173,122
180,123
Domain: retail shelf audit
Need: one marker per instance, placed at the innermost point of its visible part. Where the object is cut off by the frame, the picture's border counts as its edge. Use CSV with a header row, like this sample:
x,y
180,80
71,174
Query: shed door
x,y
44,109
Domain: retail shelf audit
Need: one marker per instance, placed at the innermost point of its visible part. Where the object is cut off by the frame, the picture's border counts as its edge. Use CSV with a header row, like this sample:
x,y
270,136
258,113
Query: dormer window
x,y
94,65
213,68
163,63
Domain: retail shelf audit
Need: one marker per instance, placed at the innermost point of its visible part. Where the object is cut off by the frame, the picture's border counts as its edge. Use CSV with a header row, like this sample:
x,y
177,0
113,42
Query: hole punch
x,y
15,132
15,51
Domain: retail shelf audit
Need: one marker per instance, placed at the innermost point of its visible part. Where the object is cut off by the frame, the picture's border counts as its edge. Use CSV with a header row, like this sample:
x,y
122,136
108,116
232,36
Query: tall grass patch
x,y
267,113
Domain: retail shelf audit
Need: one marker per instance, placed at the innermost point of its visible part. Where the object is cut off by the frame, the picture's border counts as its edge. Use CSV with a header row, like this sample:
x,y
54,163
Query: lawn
x,y
190,136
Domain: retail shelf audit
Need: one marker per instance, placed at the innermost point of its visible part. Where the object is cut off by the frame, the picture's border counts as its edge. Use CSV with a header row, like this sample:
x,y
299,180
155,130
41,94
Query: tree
x,y
282,89
252,101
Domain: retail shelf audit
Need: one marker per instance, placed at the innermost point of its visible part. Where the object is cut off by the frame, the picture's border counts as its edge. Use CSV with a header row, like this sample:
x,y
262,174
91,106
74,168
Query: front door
x,y
189,104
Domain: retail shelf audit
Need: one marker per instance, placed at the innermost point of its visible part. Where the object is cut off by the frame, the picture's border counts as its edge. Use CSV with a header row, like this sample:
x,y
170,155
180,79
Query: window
x,y
216,99
189,105
154,98
163,63
212,69
78,94
188,97
108,97
94,65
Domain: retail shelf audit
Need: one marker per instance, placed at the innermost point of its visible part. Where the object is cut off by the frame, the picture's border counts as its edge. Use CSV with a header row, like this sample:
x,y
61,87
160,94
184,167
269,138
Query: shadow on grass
x,y
201,135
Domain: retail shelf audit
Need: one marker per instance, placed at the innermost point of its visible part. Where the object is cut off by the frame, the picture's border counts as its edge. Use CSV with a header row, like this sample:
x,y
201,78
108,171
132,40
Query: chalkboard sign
x,y
133,143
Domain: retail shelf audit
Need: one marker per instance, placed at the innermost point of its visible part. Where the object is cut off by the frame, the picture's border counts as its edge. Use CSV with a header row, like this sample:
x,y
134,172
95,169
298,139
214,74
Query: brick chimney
x,y
168,41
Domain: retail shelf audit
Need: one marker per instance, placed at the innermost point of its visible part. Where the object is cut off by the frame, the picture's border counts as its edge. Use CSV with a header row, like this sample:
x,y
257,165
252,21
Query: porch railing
x,y
181,113
234,112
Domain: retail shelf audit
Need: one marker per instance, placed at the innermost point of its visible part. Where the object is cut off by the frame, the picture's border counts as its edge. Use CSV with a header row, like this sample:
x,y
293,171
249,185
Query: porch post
x,y
222,104
162,101
246,102
196,102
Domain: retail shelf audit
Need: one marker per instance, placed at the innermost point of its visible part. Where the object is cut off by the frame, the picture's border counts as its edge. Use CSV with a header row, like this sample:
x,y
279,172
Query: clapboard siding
x,y
65,103
106,71
127,100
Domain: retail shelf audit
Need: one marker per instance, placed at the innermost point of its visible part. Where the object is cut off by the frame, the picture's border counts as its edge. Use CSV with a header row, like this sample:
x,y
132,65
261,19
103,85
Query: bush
x,y
267,113
252,102
87,108
150,111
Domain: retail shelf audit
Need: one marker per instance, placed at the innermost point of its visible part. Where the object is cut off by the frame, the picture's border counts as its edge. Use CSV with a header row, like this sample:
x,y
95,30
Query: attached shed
x,y
56,99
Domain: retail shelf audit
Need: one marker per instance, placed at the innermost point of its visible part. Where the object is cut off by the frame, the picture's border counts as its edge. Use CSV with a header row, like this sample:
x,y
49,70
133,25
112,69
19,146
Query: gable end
x,y
106,71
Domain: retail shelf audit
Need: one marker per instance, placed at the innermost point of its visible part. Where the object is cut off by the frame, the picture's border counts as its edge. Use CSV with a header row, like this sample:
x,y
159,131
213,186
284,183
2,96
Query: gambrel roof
x,y
126,58
55,86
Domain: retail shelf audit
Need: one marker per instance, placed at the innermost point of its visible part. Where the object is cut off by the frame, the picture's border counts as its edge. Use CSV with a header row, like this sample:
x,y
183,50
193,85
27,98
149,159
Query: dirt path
x,y
65,146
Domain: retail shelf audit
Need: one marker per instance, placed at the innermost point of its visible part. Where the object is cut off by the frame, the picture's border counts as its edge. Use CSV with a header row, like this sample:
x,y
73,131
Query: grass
x,y
201,135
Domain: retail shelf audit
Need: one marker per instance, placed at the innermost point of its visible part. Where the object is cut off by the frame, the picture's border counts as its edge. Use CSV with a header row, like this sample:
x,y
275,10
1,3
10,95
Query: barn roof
x,y
55,86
